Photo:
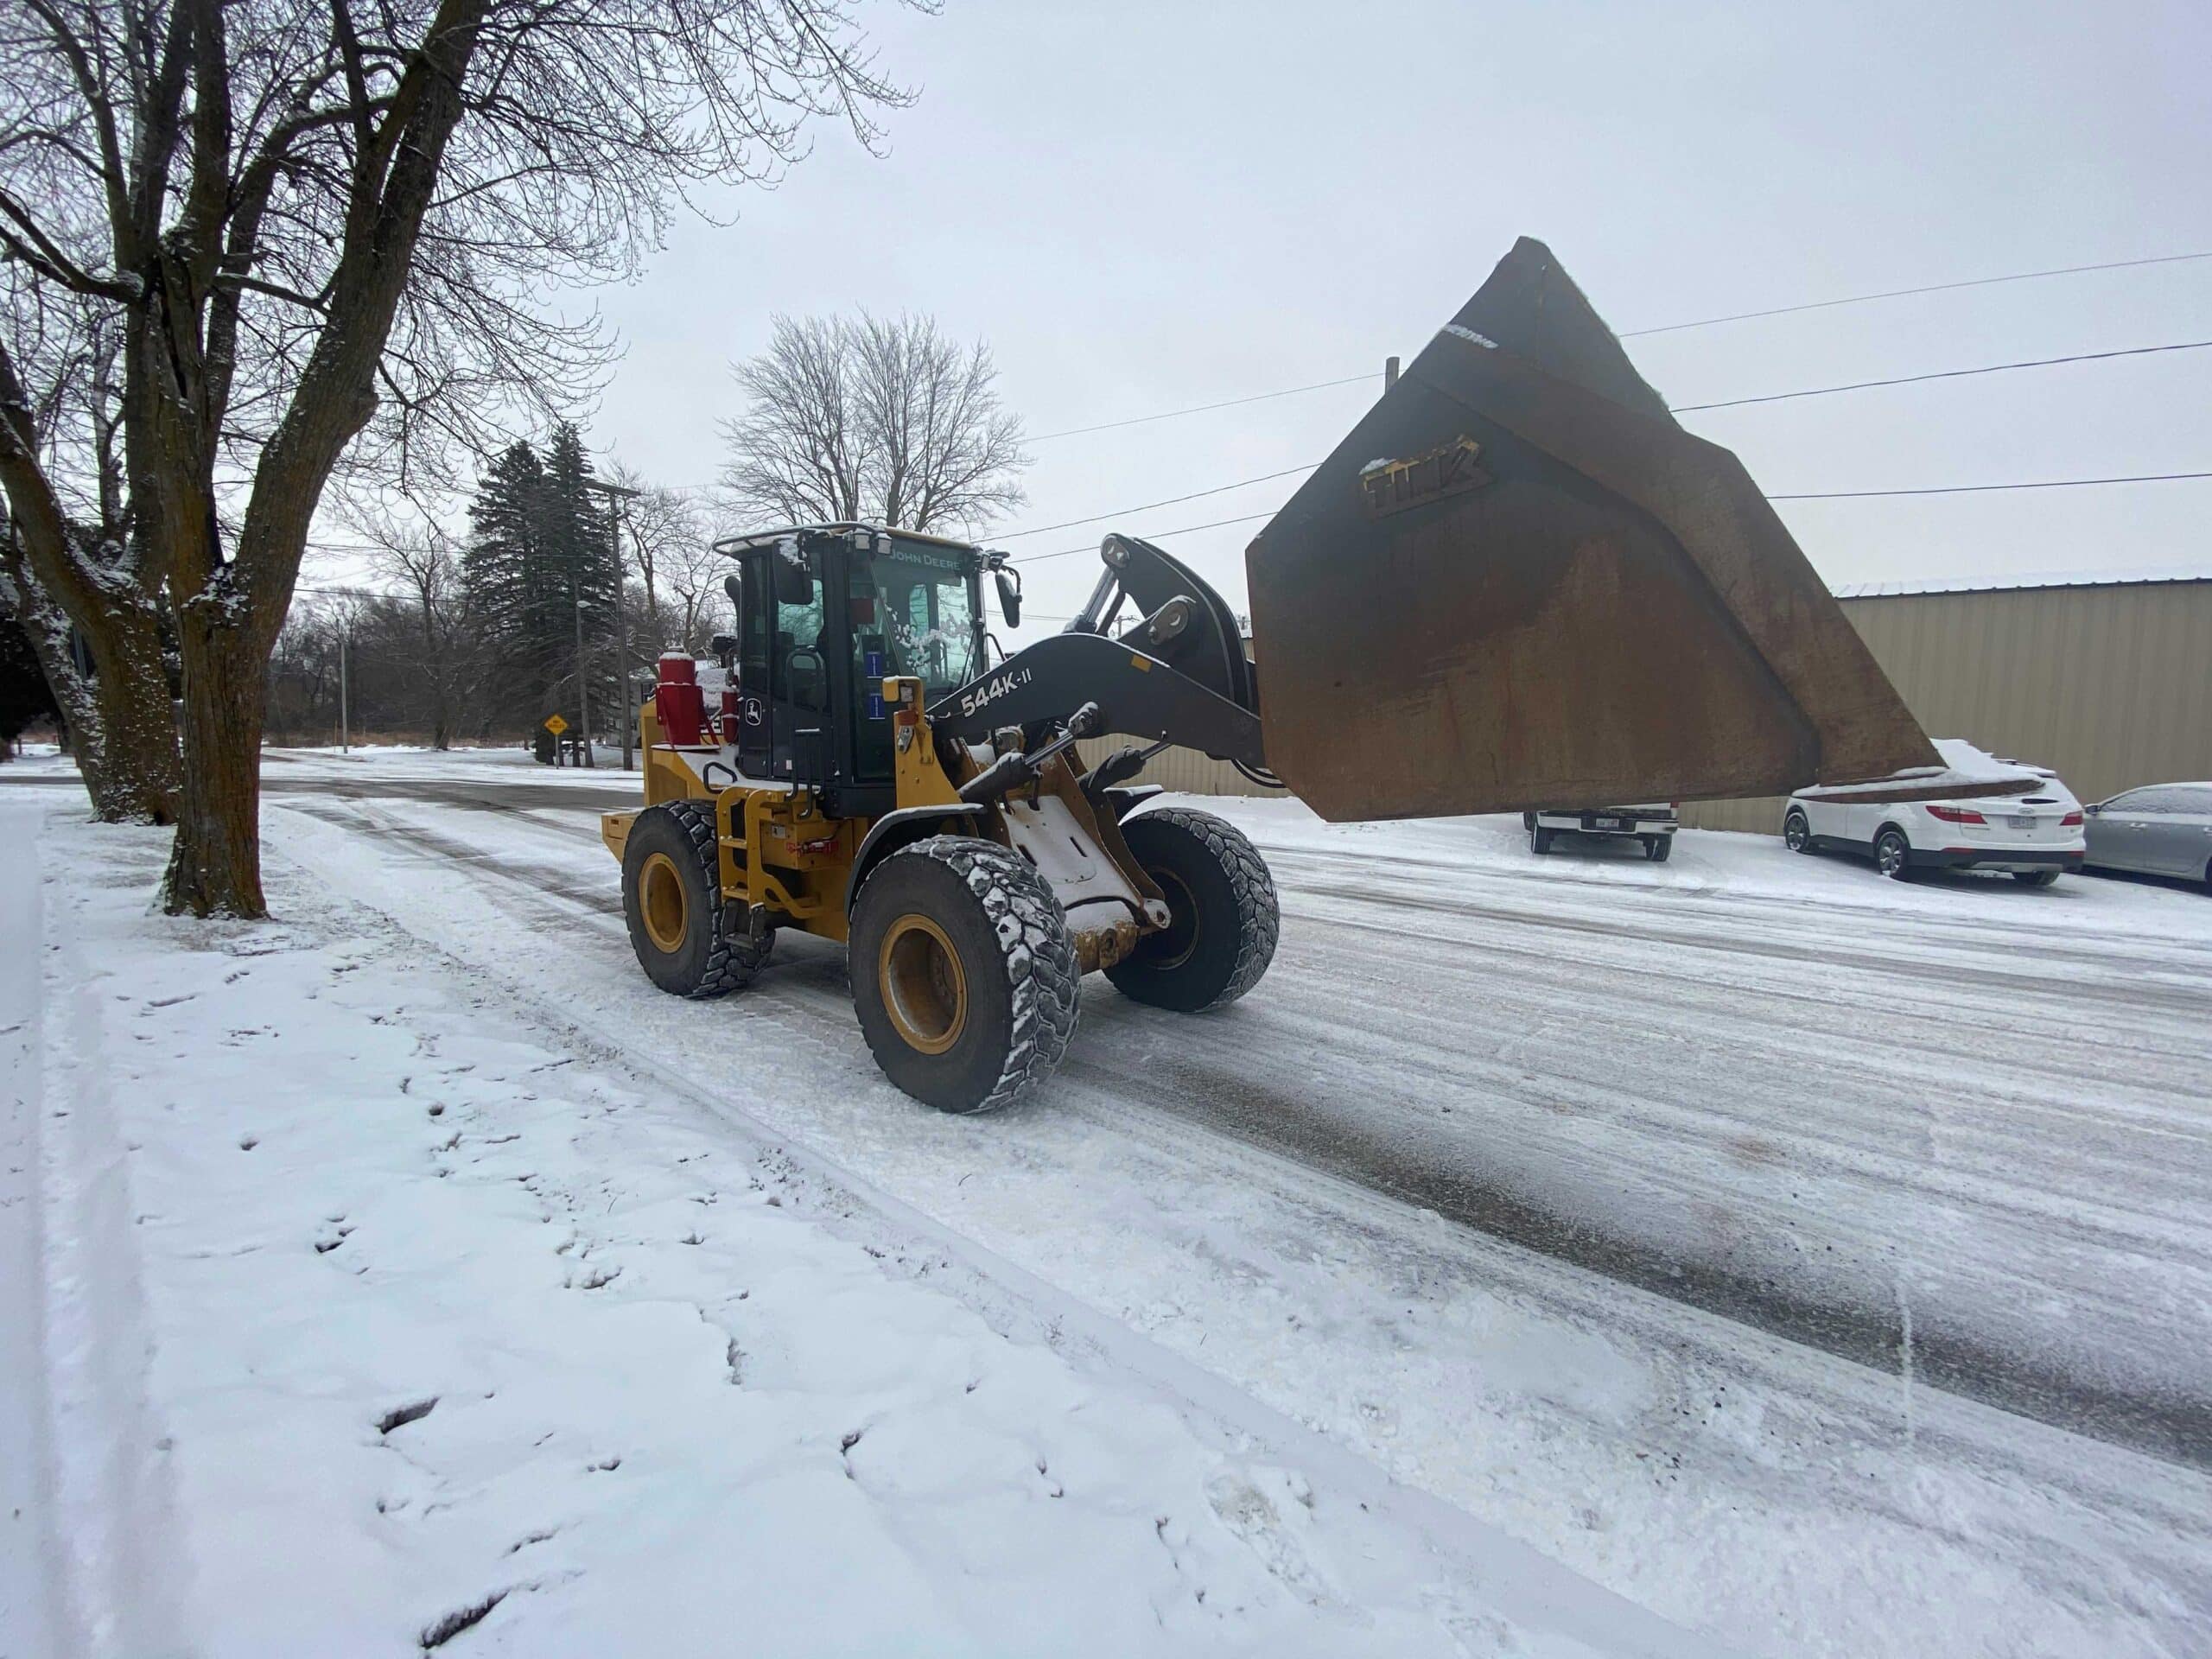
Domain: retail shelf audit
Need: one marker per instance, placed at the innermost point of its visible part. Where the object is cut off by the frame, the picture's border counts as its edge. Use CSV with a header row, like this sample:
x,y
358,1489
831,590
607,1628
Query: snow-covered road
x,y
1822,1263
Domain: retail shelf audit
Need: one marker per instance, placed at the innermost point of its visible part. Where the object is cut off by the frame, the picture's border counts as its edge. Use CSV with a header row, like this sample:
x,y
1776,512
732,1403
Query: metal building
x,y
2104,677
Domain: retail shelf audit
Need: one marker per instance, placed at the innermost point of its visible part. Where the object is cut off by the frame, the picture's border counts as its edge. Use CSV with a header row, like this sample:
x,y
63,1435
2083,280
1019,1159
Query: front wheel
x,y
1796,833
963,975
1223,919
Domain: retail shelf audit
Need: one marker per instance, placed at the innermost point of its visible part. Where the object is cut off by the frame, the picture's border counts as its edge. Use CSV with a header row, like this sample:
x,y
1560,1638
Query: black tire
x,y
2036,878
1655,848
1222,903
1539,839
687,940
963,975
1797,833
1893,854
1528,820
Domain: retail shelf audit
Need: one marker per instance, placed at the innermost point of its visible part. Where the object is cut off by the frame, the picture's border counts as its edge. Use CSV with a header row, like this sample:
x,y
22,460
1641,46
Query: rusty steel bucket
x,y
1518,582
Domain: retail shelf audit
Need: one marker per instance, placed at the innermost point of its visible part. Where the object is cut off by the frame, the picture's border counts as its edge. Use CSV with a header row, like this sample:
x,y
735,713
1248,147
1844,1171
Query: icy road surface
x,y
1820,1263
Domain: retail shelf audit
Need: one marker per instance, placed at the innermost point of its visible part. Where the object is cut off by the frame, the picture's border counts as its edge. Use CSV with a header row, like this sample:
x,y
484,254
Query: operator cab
x,y
824,613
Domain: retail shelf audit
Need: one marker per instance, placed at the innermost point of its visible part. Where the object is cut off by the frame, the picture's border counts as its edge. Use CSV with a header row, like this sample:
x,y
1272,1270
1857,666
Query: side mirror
x,y
794,579
2094,808
1009,586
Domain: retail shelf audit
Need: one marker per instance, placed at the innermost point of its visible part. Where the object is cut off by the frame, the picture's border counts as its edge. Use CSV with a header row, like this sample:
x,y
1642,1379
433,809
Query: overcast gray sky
x,y
1141,207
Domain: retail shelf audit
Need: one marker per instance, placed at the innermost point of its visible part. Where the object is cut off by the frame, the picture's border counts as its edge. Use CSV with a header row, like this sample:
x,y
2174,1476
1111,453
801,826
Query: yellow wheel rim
x,y
923,990
662,904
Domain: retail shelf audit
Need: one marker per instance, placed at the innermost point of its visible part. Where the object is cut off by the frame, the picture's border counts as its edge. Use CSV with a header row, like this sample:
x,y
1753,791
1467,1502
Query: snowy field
x,y
1572,1255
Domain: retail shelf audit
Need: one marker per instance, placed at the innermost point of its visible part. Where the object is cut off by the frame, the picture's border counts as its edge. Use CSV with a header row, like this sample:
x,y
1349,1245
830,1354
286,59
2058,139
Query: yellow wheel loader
x,y
1466,608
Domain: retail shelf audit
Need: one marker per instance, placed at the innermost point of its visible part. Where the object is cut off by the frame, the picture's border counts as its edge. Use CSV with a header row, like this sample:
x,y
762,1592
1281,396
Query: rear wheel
x,y
1893,854
2035,878
688,941
1655,848
1539,839
1796,833
1221,905
963,975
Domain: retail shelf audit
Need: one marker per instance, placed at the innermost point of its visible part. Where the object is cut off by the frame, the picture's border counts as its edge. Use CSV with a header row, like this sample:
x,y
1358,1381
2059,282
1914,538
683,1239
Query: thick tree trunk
x,y
139,766
215,866
118,717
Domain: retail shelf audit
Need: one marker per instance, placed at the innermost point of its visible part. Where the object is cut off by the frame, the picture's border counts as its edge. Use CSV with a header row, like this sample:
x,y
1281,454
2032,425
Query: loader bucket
x,y
1518,582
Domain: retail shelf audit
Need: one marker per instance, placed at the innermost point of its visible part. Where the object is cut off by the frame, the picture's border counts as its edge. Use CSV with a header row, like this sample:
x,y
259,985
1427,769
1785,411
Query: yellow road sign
x,y
555,725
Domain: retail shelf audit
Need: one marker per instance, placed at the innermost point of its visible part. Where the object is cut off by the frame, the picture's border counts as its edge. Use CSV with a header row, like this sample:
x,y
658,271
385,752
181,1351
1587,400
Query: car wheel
x,y
1655,848
1796,833
2035,878
1539,839
1527,821
1893,854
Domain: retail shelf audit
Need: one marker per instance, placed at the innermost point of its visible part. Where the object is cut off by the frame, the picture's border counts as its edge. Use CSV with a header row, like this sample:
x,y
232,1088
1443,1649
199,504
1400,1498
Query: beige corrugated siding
x,y
2110,687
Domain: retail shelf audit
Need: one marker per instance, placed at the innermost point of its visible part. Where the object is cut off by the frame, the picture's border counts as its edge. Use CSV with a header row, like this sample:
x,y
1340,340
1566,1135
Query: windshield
x,y
918,603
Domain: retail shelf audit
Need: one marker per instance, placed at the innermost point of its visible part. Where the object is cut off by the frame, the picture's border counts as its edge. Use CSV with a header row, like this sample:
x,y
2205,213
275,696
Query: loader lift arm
x,y
1177,675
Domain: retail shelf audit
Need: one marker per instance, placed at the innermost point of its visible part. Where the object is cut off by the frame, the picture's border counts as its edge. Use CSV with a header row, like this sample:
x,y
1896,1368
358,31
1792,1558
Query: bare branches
x,y
873,418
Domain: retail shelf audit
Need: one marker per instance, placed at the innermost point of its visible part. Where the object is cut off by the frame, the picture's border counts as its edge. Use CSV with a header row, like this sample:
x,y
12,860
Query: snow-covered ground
x,y
374,1318
1819,1263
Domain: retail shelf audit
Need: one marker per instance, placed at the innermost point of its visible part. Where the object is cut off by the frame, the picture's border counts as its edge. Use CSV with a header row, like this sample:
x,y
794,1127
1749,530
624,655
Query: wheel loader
x,y
1516,583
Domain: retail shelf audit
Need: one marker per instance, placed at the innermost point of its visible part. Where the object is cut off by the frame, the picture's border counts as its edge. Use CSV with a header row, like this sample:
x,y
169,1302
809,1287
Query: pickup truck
x,y
1652,822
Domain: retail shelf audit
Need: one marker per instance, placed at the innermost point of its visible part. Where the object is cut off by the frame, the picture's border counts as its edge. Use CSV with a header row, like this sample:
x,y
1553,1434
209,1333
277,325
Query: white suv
x,y
2035,837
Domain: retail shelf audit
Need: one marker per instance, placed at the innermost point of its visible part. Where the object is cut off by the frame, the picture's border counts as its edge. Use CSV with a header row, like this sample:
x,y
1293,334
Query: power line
x,y
1678,409
1903,293
1976,489
1806,495
1671,328
1945,374
1218,489
1199,409
1153,535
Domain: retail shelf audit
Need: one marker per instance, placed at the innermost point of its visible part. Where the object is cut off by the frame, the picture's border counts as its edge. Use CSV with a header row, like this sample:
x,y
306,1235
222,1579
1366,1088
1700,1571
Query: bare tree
x,y
331,237
59,401
660,524
439,650
869,418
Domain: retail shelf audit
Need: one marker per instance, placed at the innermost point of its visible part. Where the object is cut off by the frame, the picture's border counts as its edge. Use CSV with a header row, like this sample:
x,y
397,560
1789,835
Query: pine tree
x,y
503,570
579,575
540,554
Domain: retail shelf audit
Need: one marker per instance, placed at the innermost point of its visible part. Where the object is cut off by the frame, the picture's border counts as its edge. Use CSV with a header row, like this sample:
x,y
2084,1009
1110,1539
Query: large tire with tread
x,y
963,975
1539,839
688,941
1221,901
1657,848
1797,832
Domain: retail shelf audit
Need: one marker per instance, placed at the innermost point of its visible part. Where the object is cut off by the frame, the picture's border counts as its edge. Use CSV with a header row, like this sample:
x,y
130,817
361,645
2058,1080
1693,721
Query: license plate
x,y
1606,823
2022,820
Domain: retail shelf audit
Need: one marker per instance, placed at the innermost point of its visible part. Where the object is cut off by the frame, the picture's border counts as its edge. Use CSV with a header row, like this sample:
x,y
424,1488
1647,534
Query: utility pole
x,y
583,674
616,495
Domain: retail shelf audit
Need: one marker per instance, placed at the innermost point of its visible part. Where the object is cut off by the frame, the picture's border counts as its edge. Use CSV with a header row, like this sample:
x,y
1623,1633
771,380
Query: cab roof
x,y
766,537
